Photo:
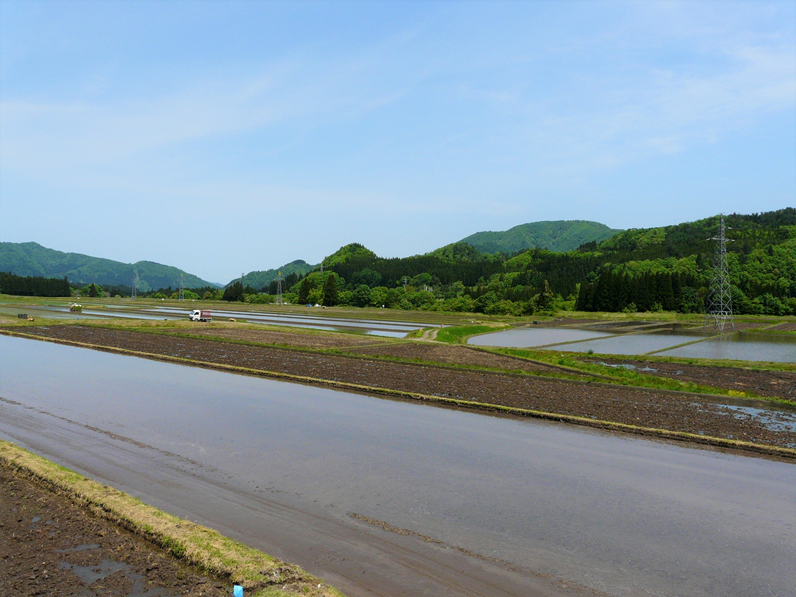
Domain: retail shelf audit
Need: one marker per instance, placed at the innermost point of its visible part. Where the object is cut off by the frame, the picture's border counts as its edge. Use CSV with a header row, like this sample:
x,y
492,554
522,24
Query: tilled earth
x,y
636,406
776,384
299,338
452,355
411,351
51,546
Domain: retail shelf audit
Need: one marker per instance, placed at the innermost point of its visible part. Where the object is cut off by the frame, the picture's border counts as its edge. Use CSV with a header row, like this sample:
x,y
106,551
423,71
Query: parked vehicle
x,y
200,315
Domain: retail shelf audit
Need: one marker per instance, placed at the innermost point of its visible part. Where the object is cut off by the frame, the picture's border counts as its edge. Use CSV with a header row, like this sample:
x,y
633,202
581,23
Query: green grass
x,y
629,377
459,334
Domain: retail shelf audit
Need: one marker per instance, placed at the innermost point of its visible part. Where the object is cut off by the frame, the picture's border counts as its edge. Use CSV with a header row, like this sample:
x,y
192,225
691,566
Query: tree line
x,y
33,285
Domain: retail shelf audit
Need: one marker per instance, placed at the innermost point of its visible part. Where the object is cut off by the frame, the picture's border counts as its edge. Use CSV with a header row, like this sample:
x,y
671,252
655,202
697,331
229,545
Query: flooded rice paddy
x,y
747,346
263,459
533,337
373,327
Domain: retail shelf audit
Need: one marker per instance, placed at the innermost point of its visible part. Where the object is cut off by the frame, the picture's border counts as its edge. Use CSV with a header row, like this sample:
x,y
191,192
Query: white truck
x,y
200,315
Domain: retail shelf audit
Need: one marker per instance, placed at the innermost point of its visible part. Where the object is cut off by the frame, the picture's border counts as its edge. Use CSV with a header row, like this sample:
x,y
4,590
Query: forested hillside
x,y
651,269
559,236
32,259
669,268
258,279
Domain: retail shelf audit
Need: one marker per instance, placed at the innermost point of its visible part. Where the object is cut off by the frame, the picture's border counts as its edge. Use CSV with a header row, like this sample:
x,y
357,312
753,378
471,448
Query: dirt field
x,y
635,406
300,339
370,346
50,546
779,384
452,355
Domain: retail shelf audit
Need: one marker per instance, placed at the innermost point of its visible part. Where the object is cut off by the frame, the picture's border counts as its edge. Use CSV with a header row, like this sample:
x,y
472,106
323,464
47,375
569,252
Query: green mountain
x,y
32,259
671,267
559,236
258,279
353,252
460,251
647,269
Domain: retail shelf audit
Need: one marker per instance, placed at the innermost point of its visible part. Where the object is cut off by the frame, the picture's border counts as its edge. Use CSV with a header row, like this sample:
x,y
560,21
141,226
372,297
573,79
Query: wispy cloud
x,y
482,111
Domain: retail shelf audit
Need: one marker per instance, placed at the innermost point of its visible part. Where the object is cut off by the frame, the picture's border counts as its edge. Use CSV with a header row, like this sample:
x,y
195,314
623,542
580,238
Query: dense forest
x,y
650,269
33,285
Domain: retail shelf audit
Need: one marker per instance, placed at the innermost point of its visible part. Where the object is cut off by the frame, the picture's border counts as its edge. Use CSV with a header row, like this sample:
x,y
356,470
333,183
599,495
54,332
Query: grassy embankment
x,y
260,574
457,335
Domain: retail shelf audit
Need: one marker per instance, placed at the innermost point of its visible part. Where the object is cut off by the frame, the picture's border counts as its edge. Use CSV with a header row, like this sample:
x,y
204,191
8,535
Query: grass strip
x,y
260,574
629,377
459,335
453,402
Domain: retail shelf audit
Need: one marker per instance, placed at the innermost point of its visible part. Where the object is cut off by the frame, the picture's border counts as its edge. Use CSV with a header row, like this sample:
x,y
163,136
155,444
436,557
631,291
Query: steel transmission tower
x,y
719,297
181,296
279,289
134,293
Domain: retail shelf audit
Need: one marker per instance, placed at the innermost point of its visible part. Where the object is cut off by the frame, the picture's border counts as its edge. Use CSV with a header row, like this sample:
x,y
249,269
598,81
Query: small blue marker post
x,y
237,591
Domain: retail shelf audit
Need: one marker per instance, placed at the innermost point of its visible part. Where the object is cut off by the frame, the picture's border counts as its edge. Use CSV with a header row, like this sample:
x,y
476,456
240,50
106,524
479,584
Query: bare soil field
x,y
785,327
776,384
452,355
319,340
673,411
51,546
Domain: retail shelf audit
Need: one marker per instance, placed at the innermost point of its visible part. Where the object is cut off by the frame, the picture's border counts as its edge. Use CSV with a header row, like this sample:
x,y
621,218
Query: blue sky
x,y
224,137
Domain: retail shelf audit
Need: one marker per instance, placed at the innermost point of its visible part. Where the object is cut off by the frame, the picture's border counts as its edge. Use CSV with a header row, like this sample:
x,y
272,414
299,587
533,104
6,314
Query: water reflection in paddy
x,y
633,344
741,347
528,337
748,346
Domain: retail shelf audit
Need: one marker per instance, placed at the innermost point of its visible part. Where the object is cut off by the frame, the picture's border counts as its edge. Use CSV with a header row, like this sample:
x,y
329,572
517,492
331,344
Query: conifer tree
x,y
330,291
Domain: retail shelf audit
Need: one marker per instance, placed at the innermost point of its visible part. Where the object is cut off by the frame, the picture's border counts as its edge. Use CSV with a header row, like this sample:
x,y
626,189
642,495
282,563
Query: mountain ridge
x,y
261,278
34,259
559,236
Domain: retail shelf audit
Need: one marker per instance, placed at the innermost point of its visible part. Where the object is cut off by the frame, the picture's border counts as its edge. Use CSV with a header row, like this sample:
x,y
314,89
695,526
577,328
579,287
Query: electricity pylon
x,y
719,308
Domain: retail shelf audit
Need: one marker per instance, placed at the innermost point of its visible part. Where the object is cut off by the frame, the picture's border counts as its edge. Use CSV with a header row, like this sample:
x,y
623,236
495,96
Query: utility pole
x,y
719,308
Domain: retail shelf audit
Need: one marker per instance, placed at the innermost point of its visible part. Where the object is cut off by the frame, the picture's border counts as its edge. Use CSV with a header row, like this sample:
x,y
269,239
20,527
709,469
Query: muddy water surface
x,y
283,466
